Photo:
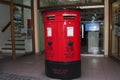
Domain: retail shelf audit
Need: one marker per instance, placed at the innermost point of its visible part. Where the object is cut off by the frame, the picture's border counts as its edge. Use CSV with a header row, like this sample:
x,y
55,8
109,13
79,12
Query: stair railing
x,y
7,25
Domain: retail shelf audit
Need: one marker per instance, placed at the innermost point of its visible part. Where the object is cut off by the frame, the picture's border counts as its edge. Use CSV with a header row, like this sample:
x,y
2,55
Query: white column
x,y
106,27
36,27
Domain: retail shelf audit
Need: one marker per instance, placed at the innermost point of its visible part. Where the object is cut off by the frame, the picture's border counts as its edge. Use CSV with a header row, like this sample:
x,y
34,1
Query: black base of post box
x,y
63,70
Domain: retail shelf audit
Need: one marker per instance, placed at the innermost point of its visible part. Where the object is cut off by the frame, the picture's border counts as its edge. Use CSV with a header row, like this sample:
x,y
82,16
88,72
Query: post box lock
x,y
50,43
70,43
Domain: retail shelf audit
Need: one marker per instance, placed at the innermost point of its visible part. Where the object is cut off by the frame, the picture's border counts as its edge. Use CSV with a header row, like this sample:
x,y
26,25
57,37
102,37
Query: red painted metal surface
x,y
62,35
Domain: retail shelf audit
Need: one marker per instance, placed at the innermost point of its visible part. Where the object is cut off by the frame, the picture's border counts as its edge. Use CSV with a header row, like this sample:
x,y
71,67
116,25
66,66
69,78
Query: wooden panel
x,y
5,1
119,47
12,29
33,29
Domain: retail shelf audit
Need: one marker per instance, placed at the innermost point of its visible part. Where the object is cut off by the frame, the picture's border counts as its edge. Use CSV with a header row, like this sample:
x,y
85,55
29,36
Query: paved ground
x,y
32,68
6,76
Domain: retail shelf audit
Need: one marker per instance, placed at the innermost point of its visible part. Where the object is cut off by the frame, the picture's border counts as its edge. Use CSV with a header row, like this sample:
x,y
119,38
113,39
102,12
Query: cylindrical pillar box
x,y
62,43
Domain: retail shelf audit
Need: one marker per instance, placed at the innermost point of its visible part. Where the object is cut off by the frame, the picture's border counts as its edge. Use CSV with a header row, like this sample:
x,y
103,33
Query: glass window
x,y
23,2
18,1
92,24
44,3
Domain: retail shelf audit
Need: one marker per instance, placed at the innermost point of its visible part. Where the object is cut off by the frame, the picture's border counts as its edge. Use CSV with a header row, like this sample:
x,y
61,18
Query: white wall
x,y
4,19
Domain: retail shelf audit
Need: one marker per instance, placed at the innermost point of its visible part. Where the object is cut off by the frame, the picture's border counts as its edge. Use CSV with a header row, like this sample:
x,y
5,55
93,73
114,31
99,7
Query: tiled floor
x,y
32,68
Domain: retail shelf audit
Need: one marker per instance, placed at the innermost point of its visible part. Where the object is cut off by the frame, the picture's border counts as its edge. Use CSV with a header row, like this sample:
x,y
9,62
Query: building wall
x,y
41,28
4,19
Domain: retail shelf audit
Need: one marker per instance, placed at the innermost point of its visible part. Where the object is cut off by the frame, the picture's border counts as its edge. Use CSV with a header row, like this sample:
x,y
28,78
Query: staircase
x,y
19,45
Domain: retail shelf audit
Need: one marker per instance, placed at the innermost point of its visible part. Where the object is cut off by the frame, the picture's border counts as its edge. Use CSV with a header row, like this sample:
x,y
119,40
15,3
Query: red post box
x,y
62,43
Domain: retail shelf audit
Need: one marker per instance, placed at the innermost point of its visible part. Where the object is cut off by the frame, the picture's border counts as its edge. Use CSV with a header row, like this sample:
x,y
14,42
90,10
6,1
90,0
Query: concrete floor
x,y
32,68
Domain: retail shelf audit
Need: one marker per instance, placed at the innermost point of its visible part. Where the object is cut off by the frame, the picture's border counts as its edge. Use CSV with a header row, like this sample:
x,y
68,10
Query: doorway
x,y
92,34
